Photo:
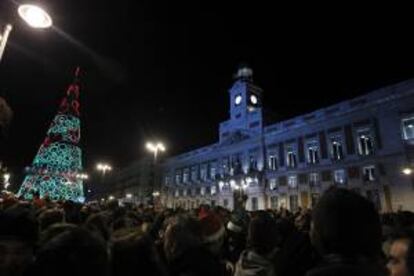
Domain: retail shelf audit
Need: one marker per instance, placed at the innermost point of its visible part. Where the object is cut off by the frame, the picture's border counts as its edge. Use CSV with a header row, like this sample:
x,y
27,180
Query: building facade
x,y
361,144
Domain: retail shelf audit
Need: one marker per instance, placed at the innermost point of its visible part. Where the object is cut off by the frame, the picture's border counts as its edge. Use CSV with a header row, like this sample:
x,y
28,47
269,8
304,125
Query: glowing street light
x,y
128,195
407,171
103,167
155,148
6,178
34,16
82,176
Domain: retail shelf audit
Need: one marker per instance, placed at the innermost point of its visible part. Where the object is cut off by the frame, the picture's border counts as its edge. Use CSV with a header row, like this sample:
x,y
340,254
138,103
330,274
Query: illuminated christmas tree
x,y
58,163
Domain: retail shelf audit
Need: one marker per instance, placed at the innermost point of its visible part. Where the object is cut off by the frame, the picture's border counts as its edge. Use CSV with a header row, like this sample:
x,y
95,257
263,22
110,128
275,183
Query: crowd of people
x,y
342,235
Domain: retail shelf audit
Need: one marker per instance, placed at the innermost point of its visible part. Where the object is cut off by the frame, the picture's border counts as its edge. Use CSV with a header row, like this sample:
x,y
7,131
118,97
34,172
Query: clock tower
x,y
245,107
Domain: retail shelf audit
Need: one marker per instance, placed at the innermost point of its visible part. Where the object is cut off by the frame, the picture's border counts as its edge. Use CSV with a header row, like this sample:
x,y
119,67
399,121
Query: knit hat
x,y
211,227
239,222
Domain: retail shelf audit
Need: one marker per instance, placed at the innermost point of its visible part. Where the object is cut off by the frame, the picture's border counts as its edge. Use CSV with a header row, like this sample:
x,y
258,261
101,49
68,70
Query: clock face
x,y
253,99
238,99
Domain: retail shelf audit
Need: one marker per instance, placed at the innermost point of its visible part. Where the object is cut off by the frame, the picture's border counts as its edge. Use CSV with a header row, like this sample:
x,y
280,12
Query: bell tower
x,y
245,106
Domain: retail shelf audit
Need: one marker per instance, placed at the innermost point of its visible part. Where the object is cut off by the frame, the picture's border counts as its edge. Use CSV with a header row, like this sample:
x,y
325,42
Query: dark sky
x,y
159,69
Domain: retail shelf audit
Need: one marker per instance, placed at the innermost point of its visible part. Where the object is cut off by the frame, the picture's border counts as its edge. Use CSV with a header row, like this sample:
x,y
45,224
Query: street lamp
x,y
103,167
34,16
6,178
155,148
407,171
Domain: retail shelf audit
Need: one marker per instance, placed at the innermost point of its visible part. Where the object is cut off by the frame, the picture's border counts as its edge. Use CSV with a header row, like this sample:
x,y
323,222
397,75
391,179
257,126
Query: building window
x,y
194,173
213,190
314,198
178,177
340,177
167,180
293,202
408,128
291,159
313,179
252,162
337,151
213,171
203,172
274,202
365,142
292,181
313,153
272,162
368,173
186,175
226,165
255,204
177,193
225,203
272,184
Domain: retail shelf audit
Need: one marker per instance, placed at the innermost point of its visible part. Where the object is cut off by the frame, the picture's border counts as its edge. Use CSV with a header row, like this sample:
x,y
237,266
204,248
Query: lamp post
x,y
34,16
103,168
155,148
6,179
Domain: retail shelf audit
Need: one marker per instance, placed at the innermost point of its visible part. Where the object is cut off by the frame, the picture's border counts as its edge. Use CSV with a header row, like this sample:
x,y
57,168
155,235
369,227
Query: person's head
x,y
401,255
18,235
262,236
182,234
75,251
135,254
346,223
213,232
49,217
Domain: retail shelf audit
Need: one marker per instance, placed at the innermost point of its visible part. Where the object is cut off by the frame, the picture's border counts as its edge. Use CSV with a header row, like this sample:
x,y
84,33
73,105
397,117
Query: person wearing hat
x,y
257,259
213,232
236,234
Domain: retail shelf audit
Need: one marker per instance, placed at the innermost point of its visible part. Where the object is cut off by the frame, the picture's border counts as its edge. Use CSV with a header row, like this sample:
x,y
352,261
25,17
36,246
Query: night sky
x,y
159,69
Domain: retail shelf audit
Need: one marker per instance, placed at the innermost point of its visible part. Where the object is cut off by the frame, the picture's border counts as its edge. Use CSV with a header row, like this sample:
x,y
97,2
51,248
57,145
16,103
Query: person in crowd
x,y
261,250
18,236
346,231
401,254
73,252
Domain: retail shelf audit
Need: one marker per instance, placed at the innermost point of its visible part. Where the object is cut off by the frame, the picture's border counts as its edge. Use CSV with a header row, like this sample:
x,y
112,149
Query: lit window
x,y
167,180
186,175
368,173
291,159
178,177
313,179
213,190
272,184
253,162
365,142
272,162
292,181
203,172
408,128
340,177
337,151
255,204
313,153
194,173
213,171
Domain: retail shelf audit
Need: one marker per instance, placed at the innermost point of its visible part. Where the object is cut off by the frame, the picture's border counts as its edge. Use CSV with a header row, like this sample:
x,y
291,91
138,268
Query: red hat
x,y
211,227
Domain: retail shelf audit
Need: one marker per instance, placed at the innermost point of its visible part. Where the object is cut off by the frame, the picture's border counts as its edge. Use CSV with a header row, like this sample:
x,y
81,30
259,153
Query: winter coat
x,y
251,263
336,265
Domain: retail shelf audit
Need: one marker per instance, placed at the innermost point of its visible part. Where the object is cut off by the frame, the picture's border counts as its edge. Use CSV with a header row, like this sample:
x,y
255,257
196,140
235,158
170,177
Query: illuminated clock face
x,y
253,99
238,99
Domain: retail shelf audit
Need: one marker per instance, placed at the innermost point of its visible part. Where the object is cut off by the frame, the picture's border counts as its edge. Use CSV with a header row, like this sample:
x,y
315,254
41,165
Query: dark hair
x,y
346,223
19,222
49,217
262,236
75,251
